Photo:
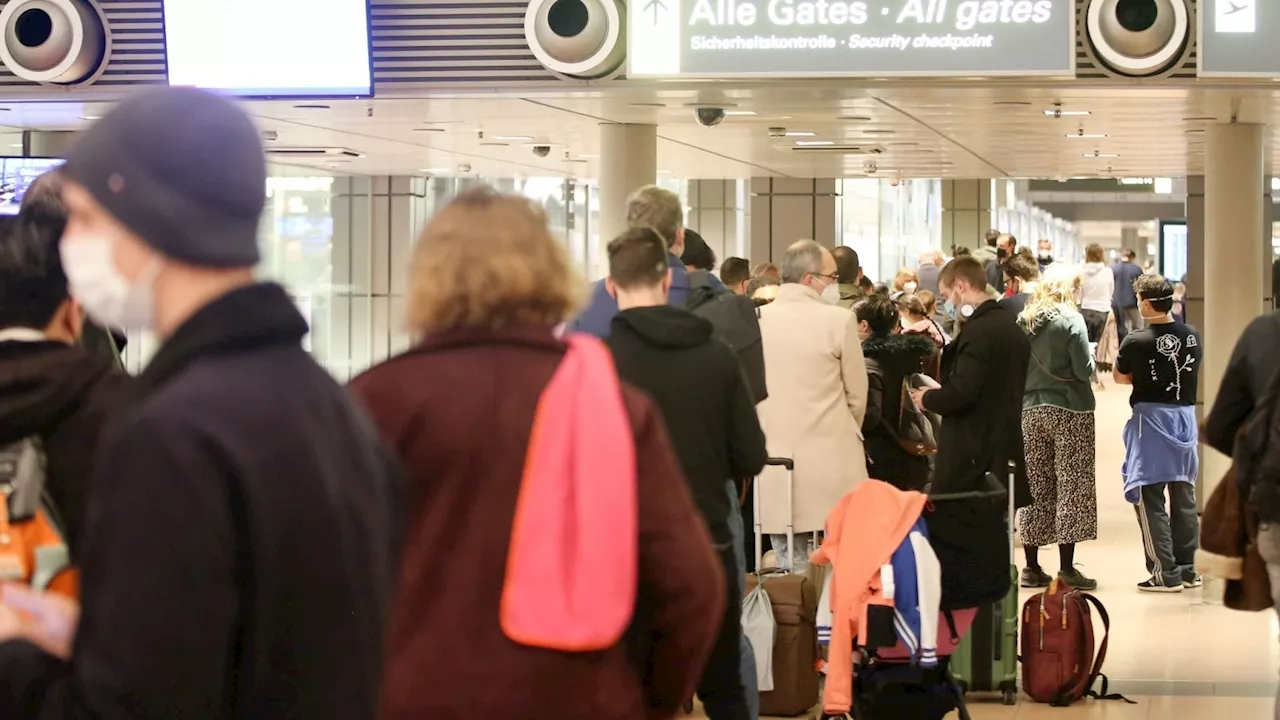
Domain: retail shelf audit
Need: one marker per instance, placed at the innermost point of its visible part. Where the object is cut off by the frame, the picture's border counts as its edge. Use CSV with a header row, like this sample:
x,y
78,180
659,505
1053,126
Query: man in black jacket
x,y
983,373
243,540
699,387
51,390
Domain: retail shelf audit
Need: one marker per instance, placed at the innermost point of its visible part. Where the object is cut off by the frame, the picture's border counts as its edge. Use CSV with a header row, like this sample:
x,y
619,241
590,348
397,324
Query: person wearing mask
x,y
893,427
1006,250
931,262
848,273
1162,363
735,273
240,479
1044,253
1097,292
1021,275
497,419
662,210
904,282
1126,272
710,415
984,372
988,252
817,399
1058,432
53,391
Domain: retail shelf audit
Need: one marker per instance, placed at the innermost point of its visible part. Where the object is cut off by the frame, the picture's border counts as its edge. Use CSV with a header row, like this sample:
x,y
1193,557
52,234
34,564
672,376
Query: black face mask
x,y
1002,253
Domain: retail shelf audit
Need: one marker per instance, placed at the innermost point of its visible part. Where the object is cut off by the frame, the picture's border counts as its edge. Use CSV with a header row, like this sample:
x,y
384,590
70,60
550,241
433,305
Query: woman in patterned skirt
x,y
1058,430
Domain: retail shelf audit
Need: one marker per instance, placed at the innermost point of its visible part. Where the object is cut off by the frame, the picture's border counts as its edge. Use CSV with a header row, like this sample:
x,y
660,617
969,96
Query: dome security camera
x,y
709,116
542,150
869,167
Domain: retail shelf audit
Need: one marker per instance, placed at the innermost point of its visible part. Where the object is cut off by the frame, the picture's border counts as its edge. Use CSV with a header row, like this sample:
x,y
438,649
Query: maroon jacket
x,y
458,410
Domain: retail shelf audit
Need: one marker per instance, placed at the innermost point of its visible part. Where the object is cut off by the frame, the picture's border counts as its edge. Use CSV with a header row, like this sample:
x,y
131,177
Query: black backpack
x,y
735,321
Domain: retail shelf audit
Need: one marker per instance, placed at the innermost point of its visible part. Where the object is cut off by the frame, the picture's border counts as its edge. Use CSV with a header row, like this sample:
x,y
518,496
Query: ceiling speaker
x,y
1137,38
579,39
59,42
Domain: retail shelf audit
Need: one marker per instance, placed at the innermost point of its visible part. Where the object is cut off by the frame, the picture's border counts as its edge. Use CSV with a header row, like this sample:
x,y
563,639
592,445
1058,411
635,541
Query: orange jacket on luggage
x,y
862,533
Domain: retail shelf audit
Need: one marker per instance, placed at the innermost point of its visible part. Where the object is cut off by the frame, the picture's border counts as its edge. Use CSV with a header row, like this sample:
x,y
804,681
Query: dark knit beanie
x,y
184,170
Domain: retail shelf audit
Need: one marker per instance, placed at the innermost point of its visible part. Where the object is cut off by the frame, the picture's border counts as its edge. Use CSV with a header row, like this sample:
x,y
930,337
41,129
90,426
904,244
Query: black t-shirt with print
x,y
1164,361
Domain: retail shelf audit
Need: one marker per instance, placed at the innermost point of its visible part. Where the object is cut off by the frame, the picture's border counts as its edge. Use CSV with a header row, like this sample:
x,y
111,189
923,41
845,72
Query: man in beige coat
x,y
817,398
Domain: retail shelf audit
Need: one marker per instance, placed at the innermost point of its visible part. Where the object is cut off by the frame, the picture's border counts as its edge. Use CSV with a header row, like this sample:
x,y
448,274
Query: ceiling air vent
x,y
316,152
838,149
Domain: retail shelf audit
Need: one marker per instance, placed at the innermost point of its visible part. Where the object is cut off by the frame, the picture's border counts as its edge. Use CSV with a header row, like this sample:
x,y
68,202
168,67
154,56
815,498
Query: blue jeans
x,y
749,682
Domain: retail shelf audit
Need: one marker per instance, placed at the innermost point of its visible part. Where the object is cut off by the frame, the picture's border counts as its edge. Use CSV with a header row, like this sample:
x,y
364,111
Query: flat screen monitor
x,y
1173,249
16,175
270,48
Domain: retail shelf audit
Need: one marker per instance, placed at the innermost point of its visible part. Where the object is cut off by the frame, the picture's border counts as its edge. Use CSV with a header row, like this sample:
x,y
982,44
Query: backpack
x,y
33,549
1059,665
735,321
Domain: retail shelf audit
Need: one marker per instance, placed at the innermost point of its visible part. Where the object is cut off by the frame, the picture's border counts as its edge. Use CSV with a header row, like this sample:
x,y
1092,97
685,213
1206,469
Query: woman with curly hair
x,y
1058,431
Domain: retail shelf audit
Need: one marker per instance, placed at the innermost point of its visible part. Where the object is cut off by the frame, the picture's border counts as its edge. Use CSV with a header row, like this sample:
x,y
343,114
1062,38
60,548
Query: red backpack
x,y
1058,662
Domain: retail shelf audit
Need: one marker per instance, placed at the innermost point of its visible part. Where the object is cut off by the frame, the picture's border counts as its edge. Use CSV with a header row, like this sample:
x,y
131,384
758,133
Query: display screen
x,y
880,38
270,48
1173,250
16,175
1237,38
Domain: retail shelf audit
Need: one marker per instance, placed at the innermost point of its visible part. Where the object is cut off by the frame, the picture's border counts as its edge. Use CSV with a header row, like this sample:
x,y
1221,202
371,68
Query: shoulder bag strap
x,y
1096,671
1045,370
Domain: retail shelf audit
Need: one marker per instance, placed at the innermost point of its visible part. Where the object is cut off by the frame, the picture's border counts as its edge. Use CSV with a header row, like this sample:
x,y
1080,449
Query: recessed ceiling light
x,y
879,132
739,113
513,138
311,107
855,118
1010,102
1199,119
17,145
808,143
800,133
1101,155
1085,136
494,144
903,144
1060,113
90,117
647,104
428,129
726,106
1194,130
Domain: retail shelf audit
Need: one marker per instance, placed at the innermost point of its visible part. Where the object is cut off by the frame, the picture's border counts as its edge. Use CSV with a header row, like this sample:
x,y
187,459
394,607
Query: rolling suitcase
x,y
986,660
794,599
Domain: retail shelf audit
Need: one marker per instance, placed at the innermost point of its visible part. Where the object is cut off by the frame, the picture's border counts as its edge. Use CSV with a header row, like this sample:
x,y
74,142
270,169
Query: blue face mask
x,y
950,308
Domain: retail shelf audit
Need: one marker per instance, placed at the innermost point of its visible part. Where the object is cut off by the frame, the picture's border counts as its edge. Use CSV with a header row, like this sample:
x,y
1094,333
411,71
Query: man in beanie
x,y
241,548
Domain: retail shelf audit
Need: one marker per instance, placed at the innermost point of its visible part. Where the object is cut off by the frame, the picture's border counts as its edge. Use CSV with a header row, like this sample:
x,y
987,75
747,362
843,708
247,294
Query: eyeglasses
x,y
832,277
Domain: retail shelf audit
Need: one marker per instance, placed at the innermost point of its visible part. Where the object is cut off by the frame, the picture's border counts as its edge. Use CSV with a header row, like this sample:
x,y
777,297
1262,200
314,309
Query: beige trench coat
x,y
817,398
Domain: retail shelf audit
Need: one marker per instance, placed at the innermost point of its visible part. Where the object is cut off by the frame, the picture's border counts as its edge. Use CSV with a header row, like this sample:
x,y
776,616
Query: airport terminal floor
x,y
1176,655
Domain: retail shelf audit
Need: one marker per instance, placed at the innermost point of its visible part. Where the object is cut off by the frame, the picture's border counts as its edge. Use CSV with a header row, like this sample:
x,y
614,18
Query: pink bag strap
x,y
572,567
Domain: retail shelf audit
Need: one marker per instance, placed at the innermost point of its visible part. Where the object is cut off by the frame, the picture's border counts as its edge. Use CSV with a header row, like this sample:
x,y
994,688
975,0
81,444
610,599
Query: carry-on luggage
x,y
794,599
987,658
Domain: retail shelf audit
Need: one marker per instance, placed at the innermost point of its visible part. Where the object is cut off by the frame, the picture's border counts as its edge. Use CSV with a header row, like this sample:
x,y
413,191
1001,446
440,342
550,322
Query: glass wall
x,y
890,222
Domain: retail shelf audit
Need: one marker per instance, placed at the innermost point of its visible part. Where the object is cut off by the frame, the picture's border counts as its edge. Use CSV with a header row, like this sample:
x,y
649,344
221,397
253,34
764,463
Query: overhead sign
x,y
854,38
1237,38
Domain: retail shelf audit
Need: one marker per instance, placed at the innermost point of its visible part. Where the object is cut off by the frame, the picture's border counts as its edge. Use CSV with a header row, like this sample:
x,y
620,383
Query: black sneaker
x,y
1035,578
1076,579
1152,586
1191,579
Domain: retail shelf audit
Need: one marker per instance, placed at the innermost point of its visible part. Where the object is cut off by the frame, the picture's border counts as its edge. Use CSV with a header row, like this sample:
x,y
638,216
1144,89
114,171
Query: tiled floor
x,y
1177,655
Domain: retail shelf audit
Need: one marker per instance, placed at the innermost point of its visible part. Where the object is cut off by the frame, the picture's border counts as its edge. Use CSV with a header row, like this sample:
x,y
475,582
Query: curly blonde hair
x,y
1053,296
489,259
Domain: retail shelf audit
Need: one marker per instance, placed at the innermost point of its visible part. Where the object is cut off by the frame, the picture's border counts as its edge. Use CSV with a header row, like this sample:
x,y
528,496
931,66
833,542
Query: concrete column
x,y
966,213
1234,188
376,221
628,161
718,211
784,210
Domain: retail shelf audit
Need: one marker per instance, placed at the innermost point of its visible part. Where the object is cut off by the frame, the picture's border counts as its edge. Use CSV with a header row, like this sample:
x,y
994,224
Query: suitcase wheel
x,y
1010,696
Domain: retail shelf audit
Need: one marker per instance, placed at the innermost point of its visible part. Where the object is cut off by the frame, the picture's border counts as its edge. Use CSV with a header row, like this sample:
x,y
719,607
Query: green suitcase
x,y
986,660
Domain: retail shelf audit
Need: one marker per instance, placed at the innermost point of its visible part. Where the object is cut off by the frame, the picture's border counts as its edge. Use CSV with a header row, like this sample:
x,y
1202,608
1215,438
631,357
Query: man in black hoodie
x,y
699,387
51,389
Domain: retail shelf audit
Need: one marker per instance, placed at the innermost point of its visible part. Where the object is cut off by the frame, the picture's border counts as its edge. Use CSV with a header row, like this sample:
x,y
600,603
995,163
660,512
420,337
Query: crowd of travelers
x,y
242,537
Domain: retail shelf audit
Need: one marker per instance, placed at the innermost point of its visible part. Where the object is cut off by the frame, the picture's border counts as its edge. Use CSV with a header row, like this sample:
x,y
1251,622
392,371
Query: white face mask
x,y
831,293
105,294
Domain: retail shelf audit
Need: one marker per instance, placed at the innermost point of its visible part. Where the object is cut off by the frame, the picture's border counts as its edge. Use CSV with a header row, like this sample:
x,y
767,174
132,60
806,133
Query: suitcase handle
x,y
787,463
